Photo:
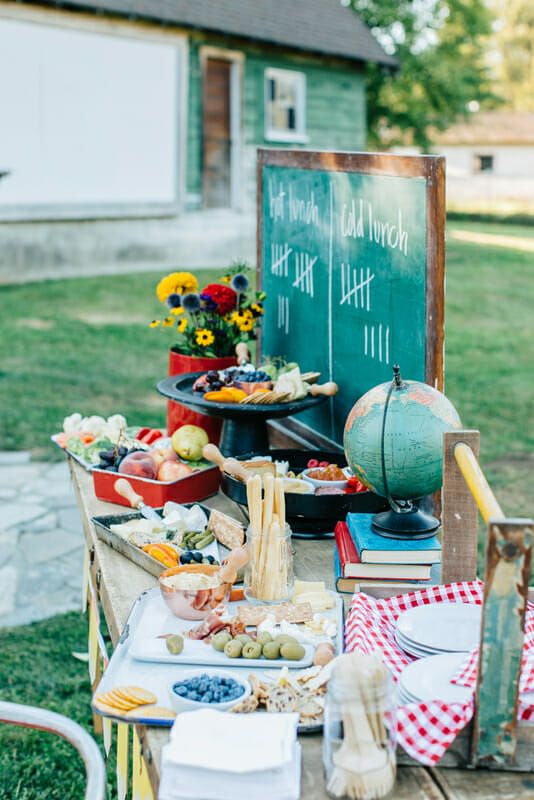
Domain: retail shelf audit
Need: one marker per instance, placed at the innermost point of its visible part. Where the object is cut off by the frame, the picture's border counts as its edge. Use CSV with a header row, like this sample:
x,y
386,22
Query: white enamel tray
x,y
124,670
446,627
157,620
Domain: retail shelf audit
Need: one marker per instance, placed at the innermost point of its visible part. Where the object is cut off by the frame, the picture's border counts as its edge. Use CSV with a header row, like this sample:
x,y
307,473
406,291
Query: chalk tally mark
x,y
283,313
304,265
356,290
376,342
280,259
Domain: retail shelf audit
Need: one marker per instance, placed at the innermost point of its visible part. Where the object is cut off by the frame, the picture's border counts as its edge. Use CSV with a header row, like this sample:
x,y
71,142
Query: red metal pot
x,y
178,414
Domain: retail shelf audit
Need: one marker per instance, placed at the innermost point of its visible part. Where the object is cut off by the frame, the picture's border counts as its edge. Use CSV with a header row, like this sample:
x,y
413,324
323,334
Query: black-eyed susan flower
x,y
257,309
168,322
176,283
246,325
182,324
177,311
155,323
204,337
226,279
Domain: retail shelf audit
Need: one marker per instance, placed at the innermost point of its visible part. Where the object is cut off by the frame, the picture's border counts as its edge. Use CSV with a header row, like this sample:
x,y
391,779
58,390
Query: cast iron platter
x,y
245,426
309,515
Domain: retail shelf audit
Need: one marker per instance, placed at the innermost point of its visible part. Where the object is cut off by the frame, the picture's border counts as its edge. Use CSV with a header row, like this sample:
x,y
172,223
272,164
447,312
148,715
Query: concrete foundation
x,y
41,250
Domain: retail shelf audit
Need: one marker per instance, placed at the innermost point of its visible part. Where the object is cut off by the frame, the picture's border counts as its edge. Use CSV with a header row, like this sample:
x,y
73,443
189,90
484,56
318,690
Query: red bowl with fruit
x,y
157,474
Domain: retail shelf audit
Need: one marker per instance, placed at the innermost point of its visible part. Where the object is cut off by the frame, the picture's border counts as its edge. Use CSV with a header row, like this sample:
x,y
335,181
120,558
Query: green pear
x,y
188,442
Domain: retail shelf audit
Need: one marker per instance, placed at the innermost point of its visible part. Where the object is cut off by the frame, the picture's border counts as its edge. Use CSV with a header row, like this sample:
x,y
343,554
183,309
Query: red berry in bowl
x,y
312,463
324,464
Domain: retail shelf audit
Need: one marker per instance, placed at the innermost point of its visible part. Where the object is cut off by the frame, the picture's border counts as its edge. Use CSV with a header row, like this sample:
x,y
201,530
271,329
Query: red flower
x,y
223,296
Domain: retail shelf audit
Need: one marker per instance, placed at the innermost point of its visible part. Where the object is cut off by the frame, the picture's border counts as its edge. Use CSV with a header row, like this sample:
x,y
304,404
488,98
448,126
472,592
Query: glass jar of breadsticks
x,y
359,730
269,573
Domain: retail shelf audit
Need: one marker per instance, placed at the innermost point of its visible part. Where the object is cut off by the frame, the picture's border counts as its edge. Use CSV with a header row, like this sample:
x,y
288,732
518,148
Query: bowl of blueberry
x,y
218,689
247,378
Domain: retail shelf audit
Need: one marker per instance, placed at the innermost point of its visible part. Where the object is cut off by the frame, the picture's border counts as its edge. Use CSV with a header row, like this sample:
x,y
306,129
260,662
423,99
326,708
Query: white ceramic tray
x,y
124,670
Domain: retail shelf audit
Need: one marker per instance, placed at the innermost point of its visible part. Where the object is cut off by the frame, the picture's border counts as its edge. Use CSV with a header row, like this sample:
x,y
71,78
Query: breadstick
x,y
271,575
254,488
268,501
280,502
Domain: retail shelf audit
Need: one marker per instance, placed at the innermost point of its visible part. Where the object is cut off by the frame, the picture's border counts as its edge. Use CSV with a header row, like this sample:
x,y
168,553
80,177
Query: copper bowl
x,y
193,603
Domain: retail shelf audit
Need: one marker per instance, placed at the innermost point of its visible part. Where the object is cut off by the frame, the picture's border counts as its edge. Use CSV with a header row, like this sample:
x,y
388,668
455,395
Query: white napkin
x,y
217,741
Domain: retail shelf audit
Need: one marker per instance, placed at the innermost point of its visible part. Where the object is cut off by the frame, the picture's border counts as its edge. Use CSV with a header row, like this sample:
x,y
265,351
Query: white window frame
x,y
277,135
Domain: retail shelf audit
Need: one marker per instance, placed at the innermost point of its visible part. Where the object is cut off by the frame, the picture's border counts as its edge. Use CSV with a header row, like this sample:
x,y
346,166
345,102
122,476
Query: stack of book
x,y
368,562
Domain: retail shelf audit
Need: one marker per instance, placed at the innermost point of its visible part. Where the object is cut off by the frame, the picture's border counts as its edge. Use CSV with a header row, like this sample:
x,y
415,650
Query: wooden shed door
x,y
217,133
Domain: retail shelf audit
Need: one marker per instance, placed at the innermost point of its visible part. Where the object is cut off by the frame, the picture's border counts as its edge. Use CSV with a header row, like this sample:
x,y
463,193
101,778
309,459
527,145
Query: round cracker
x,y
108,711
137,695
113,699
151,712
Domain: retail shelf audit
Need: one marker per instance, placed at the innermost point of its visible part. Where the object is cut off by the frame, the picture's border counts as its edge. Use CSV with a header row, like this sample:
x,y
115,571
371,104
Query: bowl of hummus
x,y
191,591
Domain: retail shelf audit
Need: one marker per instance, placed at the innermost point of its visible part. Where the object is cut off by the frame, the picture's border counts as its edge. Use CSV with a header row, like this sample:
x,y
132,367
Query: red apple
x,y
173,471
140,464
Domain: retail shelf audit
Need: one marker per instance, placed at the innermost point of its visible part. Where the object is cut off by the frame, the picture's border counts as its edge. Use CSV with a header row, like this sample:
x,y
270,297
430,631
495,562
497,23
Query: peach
x,y
140,464
161,454
173,471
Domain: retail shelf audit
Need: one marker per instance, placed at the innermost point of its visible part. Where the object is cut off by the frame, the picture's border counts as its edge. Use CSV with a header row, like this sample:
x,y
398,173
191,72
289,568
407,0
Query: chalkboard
x,y
350,253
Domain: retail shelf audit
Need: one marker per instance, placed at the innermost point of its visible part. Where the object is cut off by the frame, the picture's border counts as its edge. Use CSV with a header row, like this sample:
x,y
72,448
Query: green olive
x,y
219,641
264,637
285,638
293,652
233,648
244,638
175,644
271,650
251,650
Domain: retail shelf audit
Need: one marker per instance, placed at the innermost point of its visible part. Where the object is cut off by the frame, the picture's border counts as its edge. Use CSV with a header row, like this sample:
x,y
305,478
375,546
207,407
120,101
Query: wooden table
x,y
119,582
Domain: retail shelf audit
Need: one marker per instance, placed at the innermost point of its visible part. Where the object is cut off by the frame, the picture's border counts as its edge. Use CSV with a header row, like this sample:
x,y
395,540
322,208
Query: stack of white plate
x,y
430,679
439,629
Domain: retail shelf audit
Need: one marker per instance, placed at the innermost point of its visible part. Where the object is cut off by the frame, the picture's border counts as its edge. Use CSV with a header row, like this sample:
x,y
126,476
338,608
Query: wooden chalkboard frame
x,y
432,169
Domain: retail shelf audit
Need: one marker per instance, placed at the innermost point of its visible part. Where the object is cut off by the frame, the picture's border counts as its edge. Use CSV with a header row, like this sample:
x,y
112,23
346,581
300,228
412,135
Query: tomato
x,y
356,485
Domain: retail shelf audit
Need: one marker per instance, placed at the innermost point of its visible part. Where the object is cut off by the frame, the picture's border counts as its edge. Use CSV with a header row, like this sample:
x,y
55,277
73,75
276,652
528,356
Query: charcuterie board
x,y
149,613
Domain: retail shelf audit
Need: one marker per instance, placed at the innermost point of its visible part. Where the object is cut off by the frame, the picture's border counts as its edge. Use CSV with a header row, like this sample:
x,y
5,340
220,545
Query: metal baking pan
x,y
306,512
135,554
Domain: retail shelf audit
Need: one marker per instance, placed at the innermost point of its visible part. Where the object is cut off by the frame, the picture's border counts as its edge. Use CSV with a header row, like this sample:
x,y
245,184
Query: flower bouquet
x,y
210,321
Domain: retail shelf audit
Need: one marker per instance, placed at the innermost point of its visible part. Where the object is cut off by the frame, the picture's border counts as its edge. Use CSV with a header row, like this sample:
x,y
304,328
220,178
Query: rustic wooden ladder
x,y
496,740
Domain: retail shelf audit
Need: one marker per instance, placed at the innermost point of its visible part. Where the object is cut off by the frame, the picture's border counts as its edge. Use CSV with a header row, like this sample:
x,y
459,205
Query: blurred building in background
x,y
130,127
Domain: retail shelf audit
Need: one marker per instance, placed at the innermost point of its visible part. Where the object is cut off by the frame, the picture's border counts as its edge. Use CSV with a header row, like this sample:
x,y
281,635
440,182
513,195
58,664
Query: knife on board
x,y
126,490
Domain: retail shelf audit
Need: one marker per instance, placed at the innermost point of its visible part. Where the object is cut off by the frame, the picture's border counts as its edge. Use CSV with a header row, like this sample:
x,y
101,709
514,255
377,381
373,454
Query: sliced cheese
x,y
319,601
300,587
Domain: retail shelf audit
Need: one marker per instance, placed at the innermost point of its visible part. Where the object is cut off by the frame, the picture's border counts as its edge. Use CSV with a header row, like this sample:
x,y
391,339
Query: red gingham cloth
x,y
424,730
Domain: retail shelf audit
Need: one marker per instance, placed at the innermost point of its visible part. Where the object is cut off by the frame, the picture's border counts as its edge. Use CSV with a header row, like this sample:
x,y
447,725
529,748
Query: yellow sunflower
x,y
182,325
204,337
246,325
257,308
155,323
168,322
239,317
176,311
176,283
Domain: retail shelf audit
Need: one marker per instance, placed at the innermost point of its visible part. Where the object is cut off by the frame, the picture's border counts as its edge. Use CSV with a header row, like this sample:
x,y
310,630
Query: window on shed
x,y
285,105
483,163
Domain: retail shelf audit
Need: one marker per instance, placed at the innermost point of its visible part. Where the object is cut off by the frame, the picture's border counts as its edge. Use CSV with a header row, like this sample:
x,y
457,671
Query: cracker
x,y
228,531
135,694
290,612
282,699
246,706
309,710
107,710
151,712
114,699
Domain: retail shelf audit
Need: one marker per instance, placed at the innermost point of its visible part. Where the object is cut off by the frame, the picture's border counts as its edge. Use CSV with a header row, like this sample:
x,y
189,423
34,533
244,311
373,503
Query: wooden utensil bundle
x,y
364,765
270,568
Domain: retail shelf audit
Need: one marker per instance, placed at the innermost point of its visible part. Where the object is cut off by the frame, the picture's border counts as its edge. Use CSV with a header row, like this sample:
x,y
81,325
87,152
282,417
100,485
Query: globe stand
x,y
404,520
409,523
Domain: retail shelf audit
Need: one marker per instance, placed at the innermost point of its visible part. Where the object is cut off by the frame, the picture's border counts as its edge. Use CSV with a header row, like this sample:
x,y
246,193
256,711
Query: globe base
x,y
412,524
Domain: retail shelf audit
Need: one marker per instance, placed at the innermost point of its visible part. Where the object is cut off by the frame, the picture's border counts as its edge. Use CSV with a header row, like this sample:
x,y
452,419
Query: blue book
x,y
375,549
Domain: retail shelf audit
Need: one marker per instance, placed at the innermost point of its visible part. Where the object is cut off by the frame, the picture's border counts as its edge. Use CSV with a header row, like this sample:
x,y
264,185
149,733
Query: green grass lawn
x,y
37,668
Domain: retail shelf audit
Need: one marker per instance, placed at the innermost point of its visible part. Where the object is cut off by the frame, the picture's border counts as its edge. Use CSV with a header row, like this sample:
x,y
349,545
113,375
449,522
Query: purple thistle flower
x,y
239,283
174,300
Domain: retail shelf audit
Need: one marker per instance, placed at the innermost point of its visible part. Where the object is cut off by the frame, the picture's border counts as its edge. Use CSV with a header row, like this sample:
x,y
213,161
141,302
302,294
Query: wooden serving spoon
x,y
327,389
229,465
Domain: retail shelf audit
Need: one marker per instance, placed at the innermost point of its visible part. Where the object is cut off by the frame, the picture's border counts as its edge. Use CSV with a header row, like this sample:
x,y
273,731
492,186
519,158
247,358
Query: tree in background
x,y
514,52
441,46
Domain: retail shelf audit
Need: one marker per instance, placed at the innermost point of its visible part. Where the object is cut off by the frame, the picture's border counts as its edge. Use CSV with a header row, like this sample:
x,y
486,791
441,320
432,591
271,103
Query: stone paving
x,y
41,540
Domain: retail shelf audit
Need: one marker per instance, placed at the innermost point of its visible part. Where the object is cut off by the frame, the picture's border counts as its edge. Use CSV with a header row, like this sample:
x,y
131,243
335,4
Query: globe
x,y
417,417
